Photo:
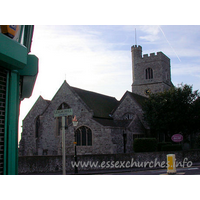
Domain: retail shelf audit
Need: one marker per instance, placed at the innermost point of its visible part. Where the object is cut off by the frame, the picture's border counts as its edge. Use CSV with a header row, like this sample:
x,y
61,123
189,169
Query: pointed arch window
x,y
84,136
68,119
149,73
128,116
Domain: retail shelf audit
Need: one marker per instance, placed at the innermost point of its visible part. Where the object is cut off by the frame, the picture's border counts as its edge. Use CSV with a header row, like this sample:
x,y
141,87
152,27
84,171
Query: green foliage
x,y
198,141
173,111
145,144
171,147
161,144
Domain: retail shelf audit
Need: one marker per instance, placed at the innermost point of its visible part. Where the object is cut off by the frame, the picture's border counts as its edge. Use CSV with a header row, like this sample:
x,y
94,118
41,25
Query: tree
x,y
173,111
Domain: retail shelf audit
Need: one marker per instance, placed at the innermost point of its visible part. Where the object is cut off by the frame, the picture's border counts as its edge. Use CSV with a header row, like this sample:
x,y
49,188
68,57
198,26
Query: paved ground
x,y
180,171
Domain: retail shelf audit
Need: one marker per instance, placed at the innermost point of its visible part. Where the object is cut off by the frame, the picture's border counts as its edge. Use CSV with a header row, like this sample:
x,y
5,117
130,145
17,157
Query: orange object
x,y
9,30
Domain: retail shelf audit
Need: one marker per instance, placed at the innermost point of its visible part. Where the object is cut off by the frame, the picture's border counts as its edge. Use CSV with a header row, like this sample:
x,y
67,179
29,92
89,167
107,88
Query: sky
x,y
98,57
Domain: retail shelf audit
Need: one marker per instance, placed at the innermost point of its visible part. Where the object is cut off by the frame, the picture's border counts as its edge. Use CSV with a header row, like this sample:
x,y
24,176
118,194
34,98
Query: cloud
x,y
151,33
186,71
82,55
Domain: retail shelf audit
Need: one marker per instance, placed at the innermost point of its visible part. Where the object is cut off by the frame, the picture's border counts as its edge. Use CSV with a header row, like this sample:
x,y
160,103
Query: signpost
x,y
63,113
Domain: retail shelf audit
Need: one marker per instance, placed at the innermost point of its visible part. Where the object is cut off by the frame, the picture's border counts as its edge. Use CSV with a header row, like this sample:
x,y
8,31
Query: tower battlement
x,y
136,47
155,57
150,72
138,57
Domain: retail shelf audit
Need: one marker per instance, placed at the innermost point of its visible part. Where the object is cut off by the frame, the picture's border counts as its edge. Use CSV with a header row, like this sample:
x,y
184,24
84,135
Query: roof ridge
x,y
101,105
93,92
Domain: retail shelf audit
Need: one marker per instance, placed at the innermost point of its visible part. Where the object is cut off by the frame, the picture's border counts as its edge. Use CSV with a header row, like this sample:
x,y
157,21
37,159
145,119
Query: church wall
x,y
128,105
152,87
117,140
101,139
28,140
53,164
48,143
134,130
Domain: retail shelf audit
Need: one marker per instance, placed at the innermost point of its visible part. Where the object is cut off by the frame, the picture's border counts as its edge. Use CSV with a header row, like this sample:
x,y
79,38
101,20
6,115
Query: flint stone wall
x,y
45,164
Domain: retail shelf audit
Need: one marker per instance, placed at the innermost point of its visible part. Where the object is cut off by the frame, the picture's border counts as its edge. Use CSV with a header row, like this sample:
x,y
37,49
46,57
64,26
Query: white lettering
x,y
129,164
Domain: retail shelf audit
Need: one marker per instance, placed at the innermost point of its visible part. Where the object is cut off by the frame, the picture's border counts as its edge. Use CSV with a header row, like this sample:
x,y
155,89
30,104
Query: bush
x,y
198,141
145,144
172,147
161,144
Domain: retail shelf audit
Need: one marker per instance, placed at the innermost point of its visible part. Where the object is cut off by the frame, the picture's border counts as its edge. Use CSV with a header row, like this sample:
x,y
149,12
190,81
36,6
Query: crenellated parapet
x,y
160,56
150,72
136,47
138,57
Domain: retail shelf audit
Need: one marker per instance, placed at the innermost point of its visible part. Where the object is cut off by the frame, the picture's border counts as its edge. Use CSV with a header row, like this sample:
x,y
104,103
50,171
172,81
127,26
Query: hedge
x,y
198,141
161,144
172,147
145,145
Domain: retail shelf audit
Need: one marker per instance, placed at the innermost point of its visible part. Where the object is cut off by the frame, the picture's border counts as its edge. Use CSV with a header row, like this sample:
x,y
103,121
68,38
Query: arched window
x,y
84,136
128,116
37,126
149,73
68,119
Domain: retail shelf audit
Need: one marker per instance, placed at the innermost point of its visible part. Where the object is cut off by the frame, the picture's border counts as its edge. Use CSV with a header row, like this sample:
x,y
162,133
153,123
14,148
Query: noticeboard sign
x,y
177,138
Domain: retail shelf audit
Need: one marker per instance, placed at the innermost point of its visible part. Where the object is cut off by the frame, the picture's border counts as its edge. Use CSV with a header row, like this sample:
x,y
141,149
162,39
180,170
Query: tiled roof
x,y
101,105
139,99
113,123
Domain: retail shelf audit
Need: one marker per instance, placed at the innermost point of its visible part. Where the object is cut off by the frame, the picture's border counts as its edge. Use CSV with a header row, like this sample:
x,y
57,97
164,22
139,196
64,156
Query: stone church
x,y
105,125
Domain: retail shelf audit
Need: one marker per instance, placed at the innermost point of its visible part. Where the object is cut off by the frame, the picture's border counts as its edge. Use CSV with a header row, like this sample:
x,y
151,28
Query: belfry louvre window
x,y
68,119
84,136
3,81
149,73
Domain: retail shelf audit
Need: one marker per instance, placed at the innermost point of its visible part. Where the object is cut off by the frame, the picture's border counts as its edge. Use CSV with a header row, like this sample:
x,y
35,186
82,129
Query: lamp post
x,y
75,123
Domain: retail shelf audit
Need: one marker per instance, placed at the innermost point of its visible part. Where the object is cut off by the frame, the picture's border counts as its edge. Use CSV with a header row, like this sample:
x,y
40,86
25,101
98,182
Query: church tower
x,y
151,74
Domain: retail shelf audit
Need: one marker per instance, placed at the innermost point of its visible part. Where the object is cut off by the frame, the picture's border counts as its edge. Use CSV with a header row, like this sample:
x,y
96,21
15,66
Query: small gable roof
x,y
138,98
39,107
101,105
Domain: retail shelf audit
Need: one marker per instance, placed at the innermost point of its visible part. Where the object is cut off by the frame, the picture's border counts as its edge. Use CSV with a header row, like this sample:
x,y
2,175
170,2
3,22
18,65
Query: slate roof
x,y
113,123
138,98
101,105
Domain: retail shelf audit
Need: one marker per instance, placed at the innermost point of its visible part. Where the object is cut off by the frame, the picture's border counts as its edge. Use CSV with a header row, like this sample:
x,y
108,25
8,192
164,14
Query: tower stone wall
x,y
151,73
